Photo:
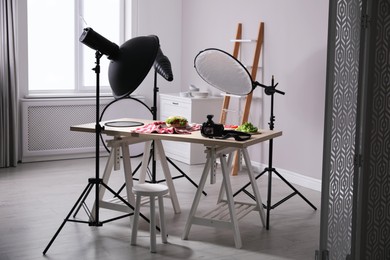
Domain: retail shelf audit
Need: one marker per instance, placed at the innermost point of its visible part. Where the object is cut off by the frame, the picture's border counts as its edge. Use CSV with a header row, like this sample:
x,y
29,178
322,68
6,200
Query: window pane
x,y
57,61
103,17
51,45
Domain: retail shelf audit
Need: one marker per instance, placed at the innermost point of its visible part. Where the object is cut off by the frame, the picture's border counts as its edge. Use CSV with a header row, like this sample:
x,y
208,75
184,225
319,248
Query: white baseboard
x,y
292,177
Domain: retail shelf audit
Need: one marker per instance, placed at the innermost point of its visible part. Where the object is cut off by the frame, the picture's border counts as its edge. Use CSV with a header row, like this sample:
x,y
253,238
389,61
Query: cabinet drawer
x,y
195,110
185,152
176,150
173,108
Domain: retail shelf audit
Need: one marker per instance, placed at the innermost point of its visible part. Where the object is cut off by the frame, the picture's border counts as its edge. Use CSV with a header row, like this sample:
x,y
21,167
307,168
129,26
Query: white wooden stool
x,y
151,190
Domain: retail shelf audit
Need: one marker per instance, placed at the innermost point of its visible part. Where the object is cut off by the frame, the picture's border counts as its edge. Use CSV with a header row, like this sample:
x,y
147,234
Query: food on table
x,y
231,126
176,121
247,127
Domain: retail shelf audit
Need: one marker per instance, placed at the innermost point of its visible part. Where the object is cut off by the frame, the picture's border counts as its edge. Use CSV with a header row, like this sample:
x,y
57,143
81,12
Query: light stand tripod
x,y
97,182
271,90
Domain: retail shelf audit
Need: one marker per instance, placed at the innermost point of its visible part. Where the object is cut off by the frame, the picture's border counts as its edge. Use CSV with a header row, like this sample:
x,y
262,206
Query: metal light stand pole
x,y
96,181
154,112
271,90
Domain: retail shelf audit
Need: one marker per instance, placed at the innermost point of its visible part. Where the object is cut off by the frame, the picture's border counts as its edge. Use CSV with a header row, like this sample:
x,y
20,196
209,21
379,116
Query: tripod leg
x,y
137,168
269,193
83,200
243,189
185,175
82,196
106,175
125,202
294,189
109,166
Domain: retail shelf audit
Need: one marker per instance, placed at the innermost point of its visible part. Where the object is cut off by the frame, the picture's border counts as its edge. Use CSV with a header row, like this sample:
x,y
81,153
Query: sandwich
x,y
176,121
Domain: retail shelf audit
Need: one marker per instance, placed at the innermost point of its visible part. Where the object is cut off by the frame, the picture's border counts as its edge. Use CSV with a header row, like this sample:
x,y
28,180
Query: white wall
x,y
295,45
161,18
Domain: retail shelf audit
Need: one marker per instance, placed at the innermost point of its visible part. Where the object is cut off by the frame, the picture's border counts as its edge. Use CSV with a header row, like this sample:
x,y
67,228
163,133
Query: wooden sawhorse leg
x,y
167,173
232,223
228,212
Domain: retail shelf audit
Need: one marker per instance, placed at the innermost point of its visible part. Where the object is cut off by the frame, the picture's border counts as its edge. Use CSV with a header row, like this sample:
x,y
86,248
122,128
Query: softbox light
x,y
162,66
132,65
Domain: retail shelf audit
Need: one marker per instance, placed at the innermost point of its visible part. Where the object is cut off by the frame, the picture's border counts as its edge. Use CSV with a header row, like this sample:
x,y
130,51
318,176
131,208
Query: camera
x,y
211,129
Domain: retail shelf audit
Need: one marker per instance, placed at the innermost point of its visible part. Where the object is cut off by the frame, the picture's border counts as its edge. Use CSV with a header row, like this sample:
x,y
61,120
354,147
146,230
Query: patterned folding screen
x,y
374,194
359,228
340,128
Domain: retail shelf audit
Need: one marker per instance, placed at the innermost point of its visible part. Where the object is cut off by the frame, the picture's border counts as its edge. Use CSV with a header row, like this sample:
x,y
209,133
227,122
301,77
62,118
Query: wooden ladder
x,y
248,99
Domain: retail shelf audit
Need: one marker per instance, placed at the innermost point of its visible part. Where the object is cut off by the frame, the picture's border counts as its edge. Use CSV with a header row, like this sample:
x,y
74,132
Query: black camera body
x,y
211,129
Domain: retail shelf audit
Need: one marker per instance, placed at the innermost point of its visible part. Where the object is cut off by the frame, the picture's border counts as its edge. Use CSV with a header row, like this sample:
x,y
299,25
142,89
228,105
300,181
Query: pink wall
x,y
294,51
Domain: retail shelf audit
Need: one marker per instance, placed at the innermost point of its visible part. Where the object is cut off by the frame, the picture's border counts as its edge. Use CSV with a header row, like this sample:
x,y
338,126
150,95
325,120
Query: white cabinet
x,y
195,110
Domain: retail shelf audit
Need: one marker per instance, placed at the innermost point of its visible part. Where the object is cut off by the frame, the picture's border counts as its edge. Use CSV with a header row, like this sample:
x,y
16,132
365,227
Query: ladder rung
x,y
231,110
232,95
242,40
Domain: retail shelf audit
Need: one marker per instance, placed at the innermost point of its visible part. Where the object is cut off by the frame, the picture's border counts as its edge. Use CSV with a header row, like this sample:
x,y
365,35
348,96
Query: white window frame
x,y
78,89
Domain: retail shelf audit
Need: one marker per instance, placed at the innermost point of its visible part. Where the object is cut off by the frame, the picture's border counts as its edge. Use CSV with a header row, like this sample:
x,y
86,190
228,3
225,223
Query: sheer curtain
x,y
9,114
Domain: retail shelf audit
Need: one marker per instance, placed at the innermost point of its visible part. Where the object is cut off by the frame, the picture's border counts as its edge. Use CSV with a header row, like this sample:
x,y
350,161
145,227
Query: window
x,y
57,61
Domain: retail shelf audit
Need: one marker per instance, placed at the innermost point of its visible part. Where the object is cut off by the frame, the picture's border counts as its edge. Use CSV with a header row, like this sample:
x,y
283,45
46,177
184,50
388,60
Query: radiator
x,y
46,125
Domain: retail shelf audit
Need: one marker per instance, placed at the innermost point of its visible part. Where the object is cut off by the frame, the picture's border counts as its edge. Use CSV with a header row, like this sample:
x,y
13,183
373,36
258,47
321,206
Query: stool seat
x,y
152,190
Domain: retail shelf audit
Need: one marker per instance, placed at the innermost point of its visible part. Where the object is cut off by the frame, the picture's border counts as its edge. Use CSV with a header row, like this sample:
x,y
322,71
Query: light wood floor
x,y
36,197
